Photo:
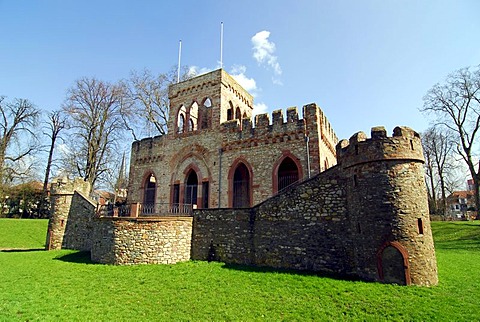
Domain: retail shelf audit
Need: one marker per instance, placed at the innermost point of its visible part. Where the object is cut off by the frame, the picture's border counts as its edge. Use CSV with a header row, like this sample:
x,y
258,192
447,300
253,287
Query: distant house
x,y
461,204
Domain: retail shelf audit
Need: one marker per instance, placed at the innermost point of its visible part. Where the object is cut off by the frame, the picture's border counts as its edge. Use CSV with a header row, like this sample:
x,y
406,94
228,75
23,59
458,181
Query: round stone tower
x,y
388,207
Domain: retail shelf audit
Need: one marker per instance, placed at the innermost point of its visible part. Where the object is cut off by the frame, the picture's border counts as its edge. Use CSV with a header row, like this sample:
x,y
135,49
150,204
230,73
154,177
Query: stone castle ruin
x,y
282,193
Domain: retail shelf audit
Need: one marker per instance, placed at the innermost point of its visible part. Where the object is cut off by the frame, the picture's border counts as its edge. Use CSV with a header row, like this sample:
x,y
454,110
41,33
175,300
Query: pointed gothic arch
x,y
230,111
191,188
181,119
240,185
286,171
149,192
193,117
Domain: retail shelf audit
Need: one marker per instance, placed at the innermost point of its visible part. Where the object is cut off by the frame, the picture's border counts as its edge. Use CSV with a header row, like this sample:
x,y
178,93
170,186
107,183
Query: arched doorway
x,y
191,188
287,173
393,264
241,187
150,188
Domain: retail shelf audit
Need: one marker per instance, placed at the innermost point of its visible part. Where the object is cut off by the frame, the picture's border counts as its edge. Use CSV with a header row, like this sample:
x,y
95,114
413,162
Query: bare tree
x,y
148,93
437,145
96,116
456,106
17,137
55,124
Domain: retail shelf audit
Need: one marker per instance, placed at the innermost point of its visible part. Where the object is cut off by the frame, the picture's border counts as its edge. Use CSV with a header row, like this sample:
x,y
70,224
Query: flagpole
x,y
221,45
179,58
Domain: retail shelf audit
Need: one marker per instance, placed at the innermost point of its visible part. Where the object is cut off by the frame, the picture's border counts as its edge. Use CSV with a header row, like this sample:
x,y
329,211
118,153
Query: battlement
x,y
313,120
147,143
66,186
404,144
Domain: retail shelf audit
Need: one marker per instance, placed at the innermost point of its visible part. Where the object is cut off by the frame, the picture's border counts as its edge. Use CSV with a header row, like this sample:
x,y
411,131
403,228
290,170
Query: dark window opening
x,y
191,190
241,187
355,180
238,114
205,194
287,174
150,187
420,226
229,114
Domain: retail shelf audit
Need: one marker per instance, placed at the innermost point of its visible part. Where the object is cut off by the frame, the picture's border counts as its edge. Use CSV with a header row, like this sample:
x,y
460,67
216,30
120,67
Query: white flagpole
x,y
179,57
221,45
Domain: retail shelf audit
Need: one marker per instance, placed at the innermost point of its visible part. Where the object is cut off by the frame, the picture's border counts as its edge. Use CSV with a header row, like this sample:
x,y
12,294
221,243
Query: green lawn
x,y
64,285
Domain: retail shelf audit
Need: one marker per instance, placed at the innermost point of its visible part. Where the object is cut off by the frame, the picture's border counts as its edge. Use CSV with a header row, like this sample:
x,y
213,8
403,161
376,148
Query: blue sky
x,y
366,63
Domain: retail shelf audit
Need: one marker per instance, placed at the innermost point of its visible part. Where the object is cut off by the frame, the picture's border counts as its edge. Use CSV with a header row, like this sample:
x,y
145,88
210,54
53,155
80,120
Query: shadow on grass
x,y
81,257
262,269
21,250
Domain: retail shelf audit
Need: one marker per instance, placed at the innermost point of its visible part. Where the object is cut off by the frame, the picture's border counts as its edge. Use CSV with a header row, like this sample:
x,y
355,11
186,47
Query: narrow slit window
x,y
420,226
411,144
355,180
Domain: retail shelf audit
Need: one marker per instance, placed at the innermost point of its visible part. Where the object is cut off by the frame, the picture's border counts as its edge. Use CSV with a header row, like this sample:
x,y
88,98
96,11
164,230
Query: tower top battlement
x,y
404,144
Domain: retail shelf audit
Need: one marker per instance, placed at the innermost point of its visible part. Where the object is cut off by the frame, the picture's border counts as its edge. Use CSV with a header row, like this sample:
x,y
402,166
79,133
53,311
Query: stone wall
x,y
126,241
224,235
304,228
79,226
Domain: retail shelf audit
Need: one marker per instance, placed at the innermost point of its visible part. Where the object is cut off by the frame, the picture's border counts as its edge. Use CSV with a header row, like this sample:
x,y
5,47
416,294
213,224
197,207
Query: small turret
x,y
387,202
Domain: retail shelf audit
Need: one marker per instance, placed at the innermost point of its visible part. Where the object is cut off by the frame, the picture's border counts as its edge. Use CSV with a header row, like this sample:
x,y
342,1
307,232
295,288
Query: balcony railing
x,y
145,210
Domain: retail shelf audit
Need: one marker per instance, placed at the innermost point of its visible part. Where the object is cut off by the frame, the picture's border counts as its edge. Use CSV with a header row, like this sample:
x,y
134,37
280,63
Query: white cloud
x,y
197,71
264,50
259,108
249,84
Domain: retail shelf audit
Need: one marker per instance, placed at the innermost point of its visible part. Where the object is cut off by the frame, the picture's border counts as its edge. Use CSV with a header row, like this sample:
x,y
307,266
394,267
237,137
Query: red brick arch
x,y
276,166
231,173
403,251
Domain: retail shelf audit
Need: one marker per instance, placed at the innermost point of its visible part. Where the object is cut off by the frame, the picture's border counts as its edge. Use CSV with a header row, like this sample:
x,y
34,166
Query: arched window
x,y
241,187
149,192
182,113
230,112
287,173
193,120
205,116
191,188
238,114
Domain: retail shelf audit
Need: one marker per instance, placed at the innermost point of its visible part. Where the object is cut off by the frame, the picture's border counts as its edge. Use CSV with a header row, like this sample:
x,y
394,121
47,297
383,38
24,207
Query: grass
x,y
23,233
65,285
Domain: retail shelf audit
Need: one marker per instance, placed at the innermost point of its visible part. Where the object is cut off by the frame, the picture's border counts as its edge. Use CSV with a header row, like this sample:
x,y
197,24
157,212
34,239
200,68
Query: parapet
x,y
66,186
146,143
404,144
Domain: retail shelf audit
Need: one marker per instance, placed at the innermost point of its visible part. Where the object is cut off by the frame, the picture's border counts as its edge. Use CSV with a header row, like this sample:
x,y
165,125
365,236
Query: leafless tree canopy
x,y
456,106
96,116
148,95
440,165
18,120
